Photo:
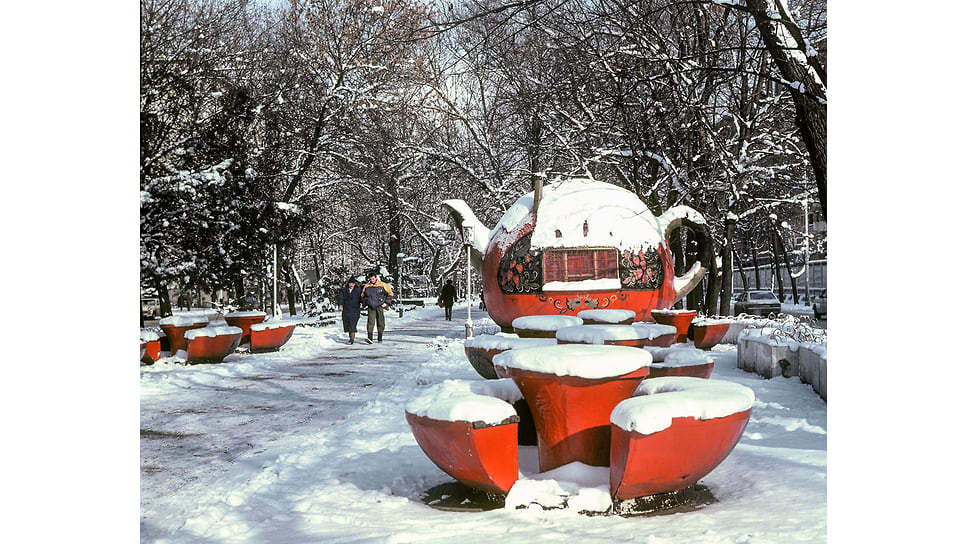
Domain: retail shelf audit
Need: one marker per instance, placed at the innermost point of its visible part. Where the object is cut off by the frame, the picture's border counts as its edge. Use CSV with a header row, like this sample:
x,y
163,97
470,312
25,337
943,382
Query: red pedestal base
x,y
672,459
571,414
484,458
269,339
212,349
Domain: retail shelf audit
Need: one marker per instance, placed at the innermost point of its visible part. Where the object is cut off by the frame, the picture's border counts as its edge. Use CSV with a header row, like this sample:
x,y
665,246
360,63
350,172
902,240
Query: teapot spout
x,y
473,232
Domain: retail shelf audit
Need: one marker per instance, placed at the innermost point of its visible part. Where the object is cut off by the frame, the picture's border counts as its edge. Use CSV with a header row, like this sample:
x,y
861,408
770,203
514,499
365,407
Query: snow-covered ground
x,y
310,444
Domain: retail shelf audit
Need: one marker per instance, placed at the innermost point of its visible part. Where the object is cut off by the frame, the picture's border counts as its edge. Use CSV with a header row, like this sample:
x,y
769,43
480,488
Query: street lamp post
x,y
468,325
806,247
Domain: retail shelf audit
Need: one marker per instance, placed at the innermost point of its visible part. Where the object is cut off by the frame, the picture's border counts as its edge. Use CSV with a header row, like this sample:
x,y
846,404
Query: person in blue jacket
x,y
376,296
350,301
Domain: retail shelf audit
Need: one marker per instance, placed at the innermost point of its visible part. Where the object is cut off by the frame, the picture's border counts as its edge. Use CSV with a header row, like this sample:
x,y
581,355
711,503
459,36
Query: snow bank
x,y
582,360
658,400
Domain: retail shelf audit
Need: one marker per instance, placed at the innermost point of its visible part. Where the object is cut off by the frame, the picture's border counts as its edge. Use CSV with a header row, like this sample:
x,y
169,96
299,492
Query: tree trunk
x,y
806,77
726,292
786,262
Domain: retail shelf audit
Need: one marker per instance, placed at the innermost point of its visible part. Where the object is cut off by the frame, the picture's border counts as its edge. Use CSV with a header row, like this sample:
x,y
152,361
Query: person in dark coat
x,y
376,296
446,298
350,300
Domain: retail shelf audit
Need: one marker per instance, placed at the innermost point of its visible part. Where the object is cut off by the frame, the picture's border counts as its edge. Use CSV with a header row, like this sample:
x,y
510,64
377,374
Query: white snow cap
x,y
150,336
582,360
689,353
658,400
703,321
506,341
654,330
599,334
607,316
464,400
183,320
545,322
249,313
212,331
673,312
265,325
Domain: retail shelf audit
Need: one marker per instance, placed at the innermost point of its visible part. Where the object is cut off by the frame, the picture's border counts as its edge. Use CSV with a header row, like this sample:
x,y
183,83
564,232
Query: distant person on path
x,y
447,296
377,296
183,301
350,302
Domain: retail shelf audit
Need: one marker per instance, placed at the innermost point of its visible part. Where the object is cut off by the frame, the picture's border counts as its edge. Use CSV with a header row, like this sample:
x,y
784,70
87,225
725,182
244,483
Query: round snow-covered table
x,y
571,390
244,321
673,432
543,326
480,350
607,317
175,327
636,335
212,344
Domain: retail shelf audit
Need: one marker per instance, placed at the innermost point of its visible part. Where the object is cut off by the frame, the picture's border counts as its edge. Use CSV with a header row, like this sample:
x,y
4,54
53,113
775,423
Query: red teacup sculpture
x,y
244,321
269,336
480,350
680,319
676,361
571,390
706,333
607,317
212,344
674,432
469,430
175,327
543,326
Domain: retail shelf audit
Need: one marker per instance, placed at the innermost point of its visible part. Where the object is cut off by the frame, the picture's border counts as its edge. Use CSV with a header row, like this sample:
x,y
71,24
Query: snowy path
x,y
310,444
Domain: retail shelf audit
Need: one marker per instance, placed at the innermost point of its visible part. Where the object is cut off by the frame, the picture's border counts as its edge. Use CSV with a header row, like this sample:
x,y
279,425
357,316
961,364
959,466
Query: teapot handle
x,y
679,216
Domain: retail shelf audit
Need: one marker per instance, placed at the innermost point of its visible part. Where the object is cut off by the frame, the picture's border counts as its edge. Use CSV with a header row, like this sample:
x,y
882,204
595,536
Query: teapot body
x,y
591,245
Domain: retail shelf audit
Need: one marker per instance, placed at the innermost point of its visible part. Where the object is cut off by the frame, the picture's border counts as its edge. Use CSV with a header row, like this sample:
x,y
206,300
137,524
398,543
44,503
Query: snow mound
x,y
658,400
582,360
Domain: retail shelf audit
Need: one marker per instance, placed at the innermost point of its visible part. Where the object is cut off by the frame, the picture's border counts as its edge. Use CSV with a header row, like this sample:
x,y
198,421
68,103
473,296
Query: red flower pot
x,y
244,321
269,336
212,344
175,328
660,446
680,319
571,412
706,334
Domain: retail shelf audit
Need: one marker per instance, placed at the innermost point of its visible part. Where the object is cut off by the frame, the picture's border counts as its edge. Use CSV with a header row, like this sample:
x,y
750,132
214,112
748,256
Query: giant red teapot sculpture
x,y
586,245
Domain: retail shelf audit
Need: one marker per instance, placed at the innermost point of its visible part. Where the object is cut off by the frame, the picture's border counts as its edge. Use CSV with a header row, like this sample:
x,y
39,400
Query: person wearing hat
x,y
448,294
350,301
377,296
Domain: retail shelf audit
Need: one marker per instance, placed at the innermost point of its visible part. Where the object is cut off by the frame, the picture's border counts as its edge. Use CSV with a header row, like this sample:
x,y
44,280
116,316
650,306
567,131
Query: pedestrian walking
x,y
350,302
376,296
446,298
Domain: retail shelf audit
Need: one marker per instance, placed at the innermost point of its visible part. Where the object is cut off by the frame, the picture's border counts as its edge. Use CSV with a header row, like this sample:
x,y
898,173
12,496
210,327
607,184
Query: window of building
x,y
571,265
